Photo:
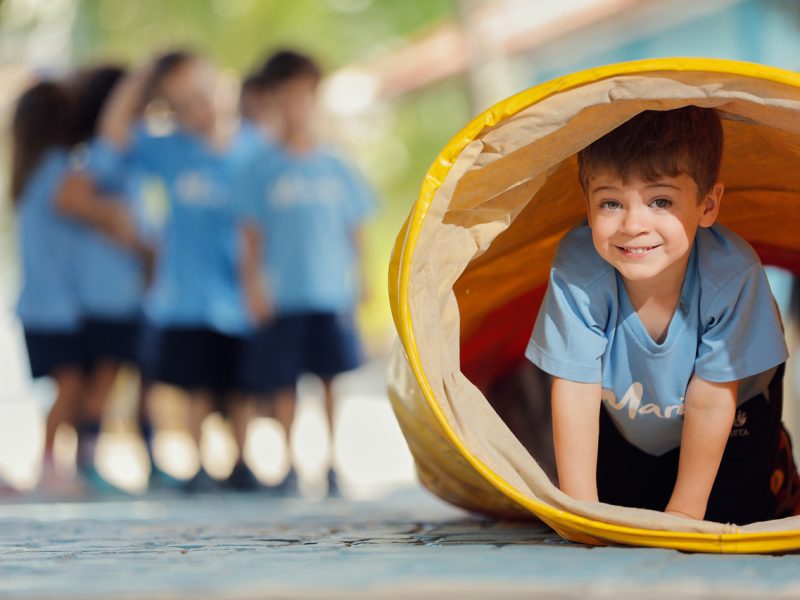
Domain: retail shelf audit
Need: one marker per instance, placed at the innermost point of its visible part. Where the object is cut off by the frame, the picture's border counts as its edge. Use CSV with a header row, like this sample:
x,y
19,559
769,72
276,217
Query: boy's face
x,y
189,90
645,229
297,101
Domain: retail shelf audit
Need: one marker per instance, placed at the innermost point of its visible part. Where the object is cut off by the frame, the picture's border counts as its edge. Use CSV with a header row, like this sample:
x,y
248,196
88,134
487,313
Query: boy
x,y
666,319
303,208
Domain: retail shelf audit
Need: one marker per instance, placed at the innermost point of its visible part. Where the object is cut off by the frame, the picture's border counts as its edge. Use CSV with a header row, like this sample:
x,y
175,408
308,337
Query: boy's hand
x,y
259,301
262,309
576,429
709,411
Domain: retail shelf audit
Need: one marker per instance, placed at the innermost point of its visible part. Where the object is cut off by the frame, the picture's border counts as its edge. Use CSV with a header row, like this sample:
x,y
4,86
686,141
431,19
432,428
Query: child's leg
x,y
284,402
69,381
785,481
241,409
327,387
93,404
332,348
145,415
742,490
201,403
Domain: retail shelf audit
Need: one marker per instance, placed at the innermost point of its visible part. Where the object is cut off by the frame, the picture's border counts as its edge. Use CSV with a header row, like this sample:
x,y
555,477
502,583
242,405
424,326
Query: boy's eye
x,y
610,205
661,203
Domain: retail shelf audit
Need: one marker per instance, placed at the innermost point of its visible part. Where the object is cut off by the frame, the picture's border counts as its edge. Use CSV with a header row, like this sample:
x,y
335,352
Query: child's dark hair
x,y
42,120
285,65
164,65
254,82
655,143
92,88
252,85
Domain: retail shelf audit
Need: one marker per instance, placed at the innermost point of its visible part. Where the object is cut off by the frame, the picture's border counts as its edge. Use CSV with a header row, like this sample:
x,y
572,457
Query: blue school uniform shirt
x,y
252,138
111,279
307,208
726,328
48,300
196,281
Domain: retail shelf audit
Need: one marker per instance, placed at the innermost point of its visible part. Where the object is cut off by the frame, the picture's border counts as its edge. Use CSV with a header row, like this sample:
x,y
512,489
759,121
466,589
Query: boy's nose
x,y
634,222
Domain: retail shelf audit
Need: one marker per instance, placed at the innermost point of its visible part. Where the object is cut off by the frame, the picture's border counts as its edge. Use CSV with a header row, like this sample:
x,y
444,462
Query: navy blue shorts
x,y
49,352
109,339
742,492
324,344
195,358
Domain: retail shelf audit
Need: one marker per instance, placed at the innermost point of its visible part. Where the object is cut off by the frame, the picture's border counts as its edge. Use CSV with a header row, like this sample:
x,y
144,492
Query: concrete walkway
x,y
409,545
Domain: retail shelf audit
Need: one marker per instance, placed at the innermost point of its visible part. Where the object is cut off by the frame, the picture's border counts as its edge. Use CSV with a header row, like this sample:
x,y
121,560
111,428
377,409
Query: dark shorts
x,y
741,494
109,339
195,359
49,352
324,344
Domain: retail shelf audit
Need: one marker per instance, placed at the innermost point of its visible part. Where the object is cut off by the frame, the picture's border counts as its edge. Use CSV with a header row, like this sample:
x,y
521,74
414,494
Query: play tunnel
x,y
471,264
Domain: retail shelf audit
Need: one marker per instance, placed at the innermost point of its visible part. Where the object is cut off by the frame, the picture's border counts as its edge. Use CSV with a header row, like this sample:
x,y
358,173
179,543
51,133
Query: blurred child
x,y
111,280
48,304
257,107
304,208
195,300
49,233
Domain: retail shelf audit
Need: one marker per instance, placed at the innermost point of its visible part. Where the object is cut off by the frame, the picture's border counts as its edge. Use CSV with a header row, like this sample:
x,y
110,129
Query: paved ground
x,y
409,545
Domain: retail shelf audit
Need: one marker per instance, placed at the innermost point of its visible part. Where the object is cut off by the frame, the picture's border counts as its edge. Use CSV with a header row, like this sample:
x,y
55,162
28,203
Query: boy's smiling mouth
x,y
636,251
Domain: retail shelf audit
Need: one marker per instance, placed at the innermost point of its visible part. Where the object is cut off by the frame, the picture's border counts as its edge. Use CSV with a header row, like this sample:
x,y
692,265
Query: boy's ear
x,y
710,205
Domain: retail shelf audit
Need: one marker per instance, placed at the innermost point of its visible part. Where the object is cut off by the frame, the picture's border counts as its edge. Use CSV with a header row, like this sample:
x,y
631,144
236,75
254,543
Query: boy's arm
x,y
709,412
576,428
258,301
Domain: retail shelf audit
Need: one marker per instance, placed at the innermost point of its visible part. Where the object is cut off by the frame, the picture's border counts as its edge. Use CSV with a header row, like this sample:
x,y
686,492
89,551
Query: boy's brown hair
x,y
683,141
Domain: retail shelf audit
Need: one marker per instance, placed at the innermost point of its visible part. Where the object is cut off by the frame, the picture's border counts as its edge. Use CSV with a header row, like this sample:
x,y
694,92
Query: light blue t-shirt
x,y
307,209
111,279
726,328
48,300
196,280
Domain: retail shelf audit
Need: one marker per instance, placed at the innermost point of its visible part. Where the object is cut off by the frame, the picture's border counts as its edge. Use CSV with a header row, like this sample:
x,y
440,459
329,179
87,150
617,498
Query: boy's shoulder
x,y
577,260
722,255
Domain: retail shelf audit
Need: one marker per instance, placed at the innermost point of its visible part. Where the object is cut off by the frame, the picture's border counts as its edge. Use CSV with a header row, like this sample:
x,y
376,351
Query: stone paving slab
x,y
231,547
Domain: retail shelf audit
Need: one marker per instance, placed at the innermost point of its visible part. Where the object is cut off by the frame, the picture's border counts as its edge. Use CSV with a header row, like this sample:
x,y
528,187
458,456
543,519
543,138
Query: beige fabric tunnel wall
x,y
479,242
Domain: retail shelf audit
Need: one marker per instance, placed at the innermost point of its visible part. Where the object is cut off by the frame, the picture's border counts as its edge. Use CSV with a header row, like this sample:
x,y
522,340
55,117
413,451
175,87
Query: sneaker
x,y
96,484
333,485
201,483
785,481
242,479
289,487
159,480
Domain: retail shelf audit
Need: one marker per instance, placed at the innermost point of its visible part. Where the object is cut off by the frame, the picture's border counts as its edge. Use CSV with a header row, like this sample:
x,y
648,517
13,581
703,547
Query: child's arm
x,y
252,281
709,412
122,109
576,428
77,198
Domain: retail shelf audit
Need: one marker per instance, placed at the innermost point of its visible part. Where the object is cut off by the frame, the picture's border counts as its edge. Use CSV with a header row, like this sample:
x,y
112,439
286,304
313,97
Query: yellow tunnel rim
x,y
406,243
